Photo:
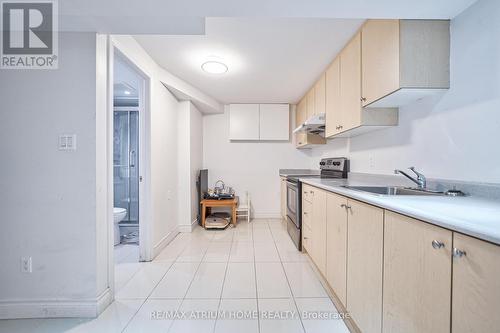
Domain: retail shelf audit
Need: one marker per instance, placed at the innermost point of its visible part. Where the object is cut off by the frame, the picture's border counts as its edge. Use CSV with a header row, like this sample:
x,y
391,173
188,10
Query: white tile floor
x,y
245,279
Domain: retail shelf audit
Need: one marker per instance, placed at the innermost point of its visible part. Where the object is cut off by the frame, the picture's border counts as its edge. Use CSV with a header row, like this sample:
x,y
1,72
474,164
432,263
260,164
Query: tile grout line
x,y
289,286
190,283
256,287
147,298
222,289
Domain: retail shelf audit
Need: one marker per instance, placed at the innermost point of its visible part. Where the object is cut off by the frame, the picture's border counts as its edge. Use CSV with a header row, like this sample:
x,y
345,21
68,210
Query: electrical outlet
x,y
26,265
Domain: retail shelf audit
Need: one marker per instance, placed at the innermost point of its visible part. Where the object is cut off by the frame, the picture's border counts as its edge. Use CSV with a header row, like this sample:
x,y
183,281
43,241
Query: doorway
x,y
128,114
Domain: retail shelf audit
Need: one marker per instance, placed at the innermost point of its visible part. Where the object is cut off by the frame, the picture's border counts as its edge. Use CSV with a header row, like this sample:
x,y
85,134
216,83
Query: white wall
x,y
455,137
48,197
164,171
196,158
189,162
163,174
183,161
248,166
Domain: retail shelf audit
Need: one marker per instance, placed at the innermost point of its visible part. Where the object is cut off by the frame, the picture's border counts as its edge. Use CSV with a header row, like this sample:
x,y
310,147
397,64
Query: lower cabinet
x,y
365,236
314,225
395,274
336,245
476,285
318,227
417,276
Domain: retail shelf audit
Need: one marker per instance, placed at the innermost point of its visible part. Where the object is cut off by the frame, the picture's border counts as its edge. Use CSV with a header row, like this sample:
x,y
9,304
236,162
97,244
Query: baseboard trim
x,y
164,242
55,308
104,300
188,228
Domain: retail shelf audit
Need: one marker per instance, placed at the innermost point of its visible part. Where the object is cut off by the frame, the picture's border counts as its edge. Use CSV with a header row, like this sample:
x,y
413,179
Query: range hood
x,y
313,125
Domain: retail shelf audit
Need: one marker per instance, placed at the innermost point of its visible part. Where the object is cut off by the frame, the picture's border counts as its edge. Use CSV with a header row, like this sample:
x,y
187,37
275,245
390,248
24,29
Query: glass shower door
x,y
126,164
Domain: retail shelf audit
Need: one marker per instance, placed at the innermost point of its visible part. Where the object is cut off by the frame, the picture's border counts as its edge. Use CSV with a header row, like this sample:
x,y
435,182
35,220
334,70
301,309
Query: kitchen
x,y
358,140
368,235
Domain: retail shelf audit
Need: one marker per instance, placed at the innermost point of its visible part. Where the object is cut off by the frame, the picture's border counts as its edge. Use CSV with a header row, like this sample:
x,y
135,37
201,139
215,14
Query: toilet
x,y
118,216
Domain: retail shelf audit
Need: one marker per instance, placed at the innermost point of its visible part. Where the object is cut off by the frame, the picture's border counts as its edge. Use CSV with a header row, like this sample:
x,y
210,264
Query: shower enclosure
x,y
126,170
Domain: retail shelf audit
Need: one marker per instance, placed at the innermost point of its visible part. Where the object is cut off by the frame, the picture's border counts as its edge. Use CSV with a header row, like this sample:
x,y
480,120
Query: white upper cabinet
x,y
259,122
244,121
274,122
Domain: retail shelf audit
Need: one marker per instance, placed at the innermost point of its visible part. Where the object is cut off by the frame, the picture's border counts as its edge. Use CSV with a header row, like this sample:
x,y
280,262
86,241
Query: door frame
x,y
145,227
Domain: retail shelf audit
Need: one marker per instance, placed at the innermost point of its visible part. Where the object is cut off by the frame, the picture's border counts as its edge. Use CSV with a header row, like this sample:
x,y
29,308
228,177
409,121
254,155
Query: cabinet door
x,y
307,239
318,227
307,213
336,244
380,59
365,228
319,95
350,84
301,112
274,122
417,276
244,122
311,106
332,98
476,286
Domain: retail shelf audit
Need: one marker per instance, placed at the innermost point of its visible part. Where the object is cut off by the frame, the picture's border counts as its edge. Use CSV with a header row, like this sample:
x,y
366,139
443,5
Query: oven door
x,y
292,202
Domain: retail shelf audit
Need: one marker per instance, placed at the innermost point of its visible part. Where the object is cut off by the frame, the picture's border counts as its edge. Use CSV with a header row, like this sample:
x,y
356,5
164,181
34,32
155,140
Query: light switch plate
x,y
67,142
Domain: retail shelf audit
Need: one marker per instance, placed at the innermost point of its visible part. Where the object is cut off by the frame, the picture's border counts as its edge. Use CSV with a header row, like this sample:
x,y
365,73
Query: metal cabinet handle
x,y
437,244
312,192
458,253
345,206
363,99
305,213
306,237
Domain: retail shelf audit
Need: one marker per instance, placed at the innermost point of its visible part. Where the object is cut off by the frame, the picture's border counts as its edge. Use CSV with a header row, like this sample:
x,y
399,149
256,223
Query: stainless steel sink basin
x,y
393,190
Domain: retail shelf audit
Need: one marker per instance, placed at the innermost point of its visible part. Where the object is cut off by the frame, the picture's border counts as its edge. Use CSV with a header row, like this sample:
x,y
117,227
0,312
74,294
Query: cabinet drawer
x,y
306,237
307,213
307,193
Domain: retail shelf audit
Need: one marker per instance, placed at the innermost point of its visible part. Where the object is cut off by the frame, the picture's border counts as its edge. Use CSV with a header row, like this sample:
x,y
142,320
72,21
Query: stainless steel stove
x,y
329,168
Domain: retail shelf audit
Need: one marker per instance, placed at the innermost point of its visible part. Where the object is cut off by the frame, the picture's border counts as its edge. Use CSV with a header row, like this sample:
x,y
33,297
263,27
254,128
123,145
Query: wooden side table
x,y
209,203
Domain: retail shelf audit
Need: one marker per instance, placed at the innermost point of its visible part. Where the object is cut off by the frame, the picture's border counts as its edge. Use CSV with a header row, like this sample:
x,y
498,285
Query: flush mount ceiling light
x,y
126,92
214,67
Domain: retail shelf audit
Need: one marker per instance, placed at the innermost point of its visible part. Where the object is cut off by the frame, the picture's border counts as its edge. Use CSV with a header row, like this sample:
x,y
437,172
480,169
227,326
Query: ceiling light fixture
x,y
214,67
126,92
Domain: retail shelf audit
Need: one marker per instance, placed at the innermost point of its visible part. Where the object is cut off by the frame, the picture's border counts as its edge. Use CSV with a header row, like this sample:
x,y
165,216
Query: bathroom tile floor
x,y
126,253
245,279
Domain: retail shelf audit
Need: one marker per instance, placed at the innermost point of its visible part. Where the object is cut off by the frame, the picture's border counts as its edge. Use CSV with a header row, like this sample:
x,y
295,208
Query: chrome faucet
x,y
419,180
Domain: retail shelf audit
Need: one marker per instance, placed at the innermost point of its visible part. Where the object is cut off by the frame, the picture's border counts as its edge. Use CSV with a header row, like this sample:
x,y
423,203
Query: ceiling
x,y
269,60
126,81
187,16
274,49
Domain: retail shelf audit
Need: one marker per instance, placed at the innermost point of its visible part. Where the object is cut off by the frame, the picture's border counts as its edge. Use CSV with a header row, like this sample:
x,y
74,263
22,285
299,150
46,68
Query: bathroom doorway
x,y
127,94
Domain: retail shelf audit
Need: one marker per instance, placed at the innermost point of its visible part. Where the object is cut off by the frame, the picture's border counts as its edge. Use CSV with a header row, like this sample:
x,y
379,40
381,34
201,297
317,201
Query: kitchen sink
x,y
393,190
